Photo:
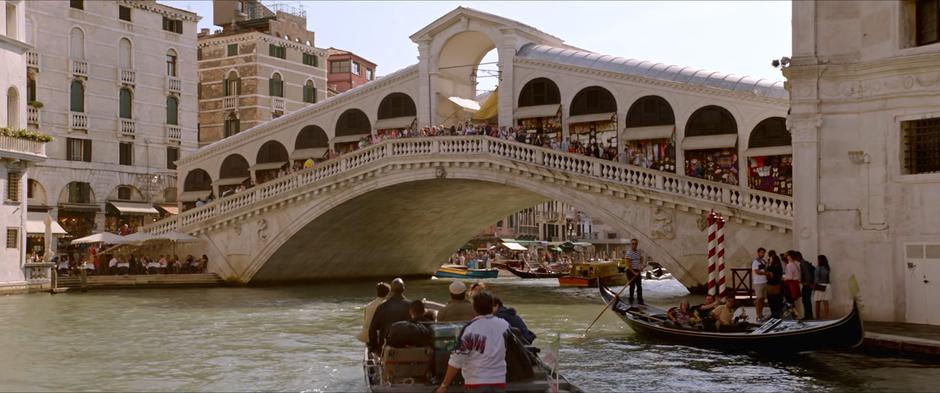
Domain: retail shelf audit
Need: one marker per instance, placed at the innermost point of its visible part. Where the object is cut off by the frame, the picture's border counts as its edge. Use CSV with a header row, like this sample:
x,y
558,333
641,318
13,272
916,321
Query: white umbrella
x,y
176,237
103,237
137,237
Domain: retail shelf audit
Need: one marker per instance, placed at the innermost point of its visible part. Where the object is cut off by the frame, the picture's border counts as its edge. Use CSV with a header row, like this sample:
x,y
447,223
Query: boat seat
x,y
404,365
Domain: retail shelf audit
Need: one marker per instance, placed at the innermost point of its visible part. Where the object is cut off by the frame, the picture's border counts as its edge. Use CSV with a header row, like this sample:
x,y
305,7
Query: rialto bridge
x,y
700,140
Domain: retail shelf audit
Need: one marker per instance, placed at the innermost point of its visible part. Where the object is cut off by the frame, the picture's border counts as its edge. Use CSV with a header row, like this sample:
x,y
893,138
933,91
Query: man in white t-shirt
x,y
481,353
759,282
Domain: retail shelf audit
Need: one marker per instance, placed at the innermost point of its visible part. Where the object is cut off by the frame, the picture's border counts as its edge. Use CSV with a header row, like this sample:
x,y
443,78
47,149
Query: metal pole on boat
x,y
614,299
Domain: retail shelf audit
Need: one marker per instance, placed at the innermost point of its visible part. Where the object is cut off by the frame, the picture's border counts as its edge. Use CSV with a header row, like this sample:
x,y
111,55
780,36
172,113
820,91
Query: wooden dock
x,y
138,281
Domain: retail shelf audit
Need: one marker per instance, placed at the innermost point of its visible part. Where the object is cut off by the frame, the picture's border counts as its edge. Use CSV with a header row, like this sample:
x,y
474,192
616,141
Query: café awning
x,y
36,224
394,123
709,142
531,112
192,196
349,138
515,246
230,181
170,209
133,207
646,133
264,166
769,151
465,104
591,118
303,154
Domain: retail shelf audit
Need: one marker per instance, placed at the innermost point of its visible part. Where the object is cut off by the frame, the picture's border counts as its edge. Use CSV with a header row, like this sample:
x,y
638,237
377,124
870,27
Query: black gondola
x,y
775,335
533,274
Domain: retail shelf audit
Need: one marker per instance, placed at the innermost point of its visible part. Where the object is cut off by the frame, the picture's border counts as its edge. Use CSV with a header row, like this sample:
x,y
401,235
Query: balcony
x,y
173,133
127,127
174,84
32,59
79,68
78,121
278,104
22,146
126,76
32,116
230,103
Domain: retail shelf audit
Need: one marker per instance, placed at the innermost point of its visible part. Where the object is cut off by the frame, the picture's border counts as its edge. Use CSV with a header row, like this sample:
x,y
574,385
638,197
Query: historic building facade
x,y
864,84
347,70
115,83
261,65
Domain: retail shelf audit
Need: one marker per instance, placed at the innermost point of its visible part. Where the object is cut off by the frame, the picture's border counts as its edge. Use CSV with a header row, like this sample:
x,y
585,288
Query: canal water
x,y
300,338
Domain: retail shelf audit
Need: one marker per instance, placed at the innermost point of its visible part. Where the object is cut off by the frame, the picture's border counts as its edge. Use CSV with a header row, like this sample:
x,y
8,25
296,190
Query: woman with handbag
x,y
822,293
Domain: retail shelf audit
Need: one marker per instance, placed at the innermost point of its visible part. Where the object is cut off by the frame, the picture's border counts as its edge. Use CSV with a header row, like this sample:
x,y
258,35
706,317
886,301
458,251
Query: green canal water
x,y
301,338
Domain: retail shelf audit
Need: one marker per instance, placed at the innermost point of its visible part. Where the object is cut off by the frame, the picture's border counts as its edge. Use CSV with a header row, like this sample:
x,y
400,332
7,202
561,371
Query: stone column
x,y
51,242
805,131
99,218
425,99
507,52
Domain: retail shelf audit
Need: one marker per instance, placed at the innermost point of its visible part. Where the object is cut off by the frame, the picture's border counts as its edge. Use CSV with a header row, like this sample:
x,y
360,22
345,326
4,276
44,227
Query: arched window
x,y
126,104
770,157
234,166
125,53
172,110
710,145
197,180
233,84
273,152
770,132
77,96
79,192
310,92
232,125
593,99
650,111
311,137
171,63
539,91
77,44
649,134
396,105
353,122
276,85
13,108
711,120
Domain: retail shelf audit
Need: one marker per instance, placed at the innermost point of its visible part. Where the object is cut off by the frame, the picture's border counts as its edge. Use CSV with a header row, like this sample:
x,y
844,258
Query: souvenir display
x,y
771,174
659,154
718,165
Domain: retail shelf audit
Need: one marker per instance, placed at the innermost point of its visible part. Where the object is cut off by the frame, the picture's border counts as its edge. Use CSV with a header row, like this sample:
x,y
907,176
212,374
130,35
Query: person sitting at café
x,y
153,267
113,265
458,308
188,265
123,266
515,321
680,316
411,332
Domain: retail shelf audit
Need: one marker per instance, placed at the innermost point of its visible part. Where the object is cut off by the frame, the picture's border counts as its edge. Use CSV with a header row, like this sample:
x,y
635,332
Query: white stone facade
x,y
857,76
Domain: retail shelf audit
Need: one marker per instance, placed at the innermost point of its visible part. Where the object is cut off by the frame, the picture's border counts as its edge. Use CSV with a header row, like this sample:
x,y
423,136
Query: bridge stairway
x,y
143,281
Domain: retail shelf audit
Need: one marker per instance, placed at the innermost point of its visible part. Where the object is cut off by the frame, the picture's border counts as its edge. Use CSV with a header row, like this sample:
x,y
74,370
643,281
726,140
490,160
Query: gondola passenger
x,y
680,316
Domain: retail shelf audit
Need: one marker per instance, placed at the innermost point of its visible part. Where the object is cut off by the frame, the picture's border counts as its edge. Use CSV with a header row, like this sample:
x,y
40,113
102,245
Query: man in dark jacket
x,y
807,284
393,310
515,321
411,332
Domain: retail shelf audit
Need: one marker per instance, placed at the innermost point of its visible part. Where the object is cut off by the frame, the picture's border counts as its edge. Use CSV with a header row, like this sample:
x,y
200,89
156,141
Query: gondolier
x,y
636,262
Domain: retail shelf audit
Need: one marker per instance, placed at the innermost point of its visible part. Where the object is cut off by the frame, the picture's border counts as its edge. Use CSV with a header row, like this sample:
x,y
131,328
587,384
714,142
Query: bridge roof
x,y
647,69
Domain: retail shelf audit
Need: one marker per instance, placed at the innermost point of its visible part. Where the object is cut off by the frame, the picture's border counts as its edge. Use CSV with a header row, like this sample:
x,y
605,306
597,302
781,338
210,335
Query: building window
x,y
124,193
172,110
173,25
339,66
30,89
172,155
77,44
78,149
199,91
198,53
126,153
77,4
277,51
126,104
79,192
13,108
311,60
171,63
232,126
77,97
124,13
232,49
921,146
11,21
310,92
276,86
355,68
13,238
370,74
125,53
927,22
13,186
233,85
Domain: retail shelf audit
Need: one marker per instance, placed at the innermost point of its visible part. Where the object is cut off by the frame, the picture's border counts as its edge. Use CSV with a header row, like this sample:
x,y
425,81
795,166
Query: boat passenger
x,y
481,350
681,315
476,288
702,313
381,291
394,309
725,321
458,308
411,332
515,321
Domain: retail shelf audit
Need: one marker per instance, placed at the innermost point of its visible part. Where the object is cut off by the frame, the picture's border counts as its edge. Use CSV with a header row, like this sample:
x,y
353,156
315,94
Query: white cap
x,y
457,287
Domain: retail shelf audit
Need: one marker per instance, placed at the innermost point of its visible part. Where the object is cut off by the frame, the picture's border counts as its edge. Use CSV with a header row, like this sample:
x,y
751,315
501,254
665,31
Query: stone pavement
x,y
907,338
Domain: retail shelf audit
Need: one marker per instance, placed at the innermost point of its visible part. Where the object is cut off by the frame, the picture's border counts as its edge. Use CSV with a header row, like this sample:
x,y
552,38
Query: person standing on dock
x,y
381,291
759,282
635,269
394,309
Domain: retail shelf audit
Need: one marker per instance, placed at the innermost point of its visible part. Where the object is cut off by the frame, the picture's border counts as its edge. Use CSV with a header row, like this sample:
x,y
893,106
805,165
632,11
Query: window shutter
x,y
271,87
86,150
225,89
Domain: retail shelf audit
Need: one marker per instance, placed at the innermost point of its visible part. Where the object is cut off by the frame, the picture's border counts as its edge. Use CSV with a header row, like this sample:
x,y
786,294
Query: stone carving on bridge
x,y
702,221
440,172
263,229
662,224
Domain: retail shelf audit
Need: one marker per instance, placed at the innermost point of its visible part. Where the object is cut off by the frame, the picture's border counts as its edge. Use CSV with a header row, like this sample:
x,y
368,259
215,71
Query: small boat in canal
x,y
460,271
593,274
774,335
534,273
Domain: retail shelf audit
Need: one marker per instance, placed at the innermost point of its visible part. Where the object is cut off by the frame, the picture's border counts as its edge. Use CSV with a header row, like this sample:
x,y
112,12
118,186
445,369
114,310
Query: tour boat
x,y
534,273
591,274
775,335
459,271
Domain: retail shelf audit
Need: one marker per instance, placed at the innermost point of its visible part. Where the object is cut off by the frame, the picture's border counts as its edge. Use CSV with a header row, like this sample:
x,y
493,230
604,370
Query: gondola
x,y
533,274
775,335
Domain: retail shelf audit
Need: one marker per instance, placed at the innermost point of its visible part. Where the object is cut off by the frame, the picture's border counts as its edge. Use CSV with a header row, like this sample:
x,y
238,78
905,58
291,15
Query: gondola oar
x,y
612,300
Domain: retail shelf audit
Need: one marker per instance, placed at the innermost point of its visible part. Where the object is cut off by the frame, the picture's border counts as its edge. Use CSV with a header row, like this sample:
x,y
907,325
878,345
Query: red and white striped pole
x,y
721,254
712,231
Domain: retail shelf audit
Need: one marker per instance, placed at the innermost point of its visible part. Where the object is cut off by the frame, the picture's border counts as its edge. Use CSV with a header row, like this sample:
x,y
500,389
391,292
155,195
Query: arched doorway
x,y
197,187
467,76
397,112
77,209
770,157
233,173
352,127
649,135
539,109
592,121
127,210
710,145
311,143
271,159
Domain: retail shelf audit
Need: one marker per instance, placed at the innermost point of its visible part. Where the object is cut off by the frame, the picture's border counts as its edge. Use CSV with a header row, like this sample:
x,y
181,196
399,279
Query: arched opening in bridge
x,y
271,159
592,120
196,187
233,173
649,135
397,112
311,143
539,109
467,77
770,157
352,127
127,205
710,145
77,209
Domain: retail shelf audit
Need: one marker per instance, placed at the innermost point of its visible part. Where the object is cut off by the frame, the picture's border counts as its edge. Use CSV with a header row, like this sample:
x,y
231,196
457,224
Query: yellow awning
x,y
490,107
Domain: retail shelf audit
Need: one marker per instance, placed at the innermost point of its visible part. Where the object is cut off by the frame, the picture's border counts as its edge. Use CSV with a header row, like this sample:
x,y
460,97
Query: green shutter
x,y
271,87
172,111
125,104
77,97
232,49
86,150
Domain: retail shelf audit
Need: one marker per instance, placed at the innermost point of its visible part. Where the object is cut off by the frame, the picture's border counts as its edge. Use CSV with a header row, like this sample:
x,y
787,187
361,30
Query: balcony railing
x,y
174,84
230,102
80,67
278,104
19,145
127,126
32,59
78,121
127,76
32,115
173,133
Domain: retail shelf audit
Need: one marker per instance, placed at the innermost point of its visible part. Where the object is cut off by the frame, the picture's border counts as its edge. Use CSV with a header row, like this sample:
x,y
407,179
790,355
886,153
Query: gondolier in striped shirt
x,y
635,269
